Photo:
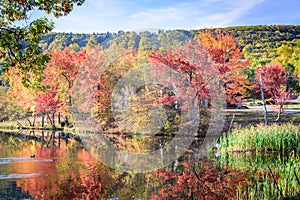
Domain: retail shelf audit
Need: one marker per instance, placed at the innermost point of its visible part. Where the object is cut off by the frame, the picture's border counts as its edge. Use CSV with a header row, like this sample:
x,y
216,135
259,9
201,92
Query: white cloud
x,y
195,14
231,14
108,15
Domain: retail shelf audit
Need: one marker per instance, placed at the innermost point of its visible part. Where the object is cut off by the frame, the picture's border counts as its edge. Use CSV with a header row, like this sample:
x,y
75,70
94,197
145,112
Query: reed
x,y
275,138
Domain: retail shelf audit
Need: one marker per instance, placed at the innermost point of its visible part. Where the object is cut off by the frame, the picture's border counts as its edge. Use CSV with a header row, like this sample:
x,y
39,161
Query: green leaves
x,y
19,44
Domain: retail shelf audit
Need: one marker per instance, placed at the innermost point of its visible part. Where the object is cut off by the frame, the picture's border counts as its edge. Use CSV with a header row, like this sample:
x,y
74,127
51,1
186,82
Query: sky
x,y
133,15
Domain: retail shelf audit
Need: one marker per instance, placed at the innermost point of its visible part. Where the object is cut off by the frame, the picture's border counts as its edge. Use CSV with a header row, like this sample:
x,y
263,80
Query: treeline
x,y
128,40
256,41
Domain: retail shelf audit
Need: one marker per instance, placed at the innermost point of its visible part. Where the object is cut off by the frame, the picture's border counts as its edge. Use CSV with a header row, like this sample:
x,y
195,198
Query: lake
x,y
58,165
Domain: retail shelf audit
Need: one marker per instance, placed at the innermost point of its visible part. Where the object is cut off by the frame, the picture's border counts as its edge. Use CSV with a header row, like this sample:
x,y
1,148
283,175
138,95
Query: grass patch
x,y
280,138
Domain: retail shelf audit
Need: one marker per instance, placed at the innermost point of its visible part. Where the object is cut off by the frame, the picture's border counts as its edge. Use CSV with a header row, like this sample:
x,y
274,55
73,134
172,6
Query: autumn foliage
x,y
230,61
196,69
60,74
200,180
274,79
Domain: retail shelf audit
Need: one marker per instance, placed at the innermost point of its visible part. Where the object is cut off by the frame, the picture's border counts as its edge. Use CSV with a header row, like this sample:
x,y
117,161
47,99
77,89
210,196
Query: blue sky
x,y
113,15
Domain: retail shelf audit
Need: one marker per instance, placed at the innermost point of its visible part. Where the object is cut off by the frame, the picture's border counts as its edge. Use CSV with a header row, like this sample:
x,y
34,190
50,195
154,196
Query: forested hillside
x,y
257,41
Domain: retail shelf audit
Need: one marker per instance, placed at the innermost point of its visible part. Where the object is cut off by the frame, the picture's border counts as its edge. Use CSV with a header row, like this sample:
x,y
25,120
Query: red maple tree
x,y
275,84
196,68
60,75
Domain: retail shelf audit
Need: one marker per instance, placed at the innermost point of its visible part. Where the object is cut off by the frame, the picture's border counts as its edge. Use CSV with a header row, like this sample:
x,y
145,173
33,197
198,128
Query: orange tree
x,y
229,58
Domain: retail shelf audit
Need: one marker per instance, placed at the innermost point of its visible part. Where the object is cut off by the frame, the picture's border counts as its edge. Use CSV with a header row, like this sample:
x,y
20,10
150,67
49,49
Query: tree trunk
x,y
43,120
49,119
263,99
280,111
58,118
231,123
67,121
28,121
53,119
34,118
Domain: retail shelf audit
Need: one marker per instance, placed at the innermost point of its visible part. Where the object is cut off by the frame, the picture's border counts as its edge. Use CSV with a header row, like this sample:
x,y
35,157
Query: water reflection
x,y
16,176
49,166
272,176
56,165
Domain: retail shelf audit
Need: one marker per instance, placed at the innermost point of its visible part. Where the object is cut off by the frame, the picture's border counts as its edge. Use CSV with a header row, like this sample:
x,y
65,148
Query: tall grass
x,y
280,138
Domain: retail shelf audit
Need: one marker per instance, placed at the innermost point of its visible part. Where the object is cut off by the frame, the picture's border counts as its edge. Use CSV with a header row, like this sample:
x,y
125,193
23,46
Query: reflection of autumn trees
x,y
83,180
75,174
200,180
137,144
134,185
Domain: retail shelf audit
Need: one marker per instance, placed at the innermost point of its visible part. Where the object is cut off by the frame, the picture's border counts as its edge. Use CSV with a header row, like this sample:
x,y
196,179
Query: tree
x,y
8,109
48,103
230,61
197,80
193,62
60,42
107,81
84,88
60,74
290,59
274,79
21,96
18,44
93,42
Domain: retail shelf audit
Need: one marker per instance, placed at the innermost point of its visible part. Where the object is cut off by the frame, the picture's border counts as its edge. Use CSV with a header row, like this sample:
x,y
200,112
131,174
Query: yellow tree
x,y
21,96
289,57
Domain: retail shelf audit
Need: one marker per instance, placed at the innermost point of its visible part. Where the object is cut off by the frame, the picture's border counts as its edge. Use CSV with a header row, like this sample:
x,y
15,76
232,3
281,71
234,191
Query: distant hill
x,y
262,41
257,41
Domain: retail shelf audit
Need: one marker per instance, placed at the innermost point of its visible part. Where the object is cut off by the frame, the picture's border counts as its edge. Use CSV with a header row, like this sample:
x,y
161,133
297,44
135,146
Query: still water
x,y
57,165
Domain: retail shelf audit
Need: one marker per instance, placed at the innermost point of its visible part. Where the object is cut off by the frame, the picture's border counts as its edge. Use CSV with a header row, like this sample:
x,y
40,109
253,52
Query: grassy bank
x,y
280,138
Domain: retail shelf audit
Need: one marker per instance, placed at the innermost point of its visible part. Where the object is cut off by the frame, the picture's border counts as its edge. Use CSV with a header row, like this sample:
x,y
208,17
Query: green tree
x,y
18,43
60,42
93,41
